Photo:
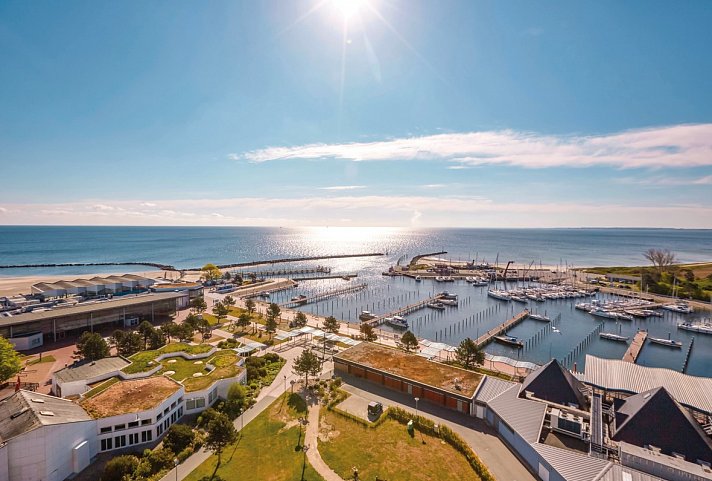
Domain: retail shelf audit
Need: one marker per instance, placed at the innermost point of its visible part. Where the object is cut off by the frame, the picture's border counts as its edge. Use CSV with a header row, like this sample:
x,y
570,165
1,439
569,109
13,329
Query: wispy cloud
x,y
666,181
433,186
344,187
674,146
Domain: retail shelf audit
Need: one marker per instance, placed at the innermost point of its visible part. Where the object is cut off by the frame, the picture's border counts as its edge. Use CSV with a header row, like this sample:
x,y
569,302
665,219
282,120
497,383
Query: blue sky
x,y
348,112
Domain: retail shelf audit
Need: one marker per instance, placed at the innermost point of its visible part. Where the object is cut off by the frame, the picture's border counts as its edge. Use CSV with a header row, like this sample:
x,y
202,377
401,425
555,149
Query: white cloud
x,y
673,146
3,210
343,187
433,186
147,204
665,181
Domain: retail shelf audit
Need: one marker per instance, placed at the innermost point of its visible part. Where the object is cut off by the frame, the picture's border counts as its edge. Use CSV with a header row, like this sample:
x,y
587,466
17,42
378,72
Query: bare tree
x,y
660,258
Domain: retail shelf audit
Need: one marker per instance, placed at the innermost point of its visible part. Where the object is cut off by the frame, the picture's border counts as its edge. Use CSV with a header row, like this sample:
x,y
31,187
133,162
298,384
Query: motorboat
x,y
436,305
704,327
509,340
613,337
301,298
366,316
516,298
624,317
599,312
418,279
666,342
539,317
679,307
447,295
397,322
480,282
501,295
449,302
535,297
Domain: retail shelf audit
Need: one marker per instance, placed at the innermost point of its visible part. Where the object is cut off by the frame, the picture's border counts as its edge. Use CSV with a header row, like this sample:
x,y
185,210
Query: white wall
x,y
4,474
60,441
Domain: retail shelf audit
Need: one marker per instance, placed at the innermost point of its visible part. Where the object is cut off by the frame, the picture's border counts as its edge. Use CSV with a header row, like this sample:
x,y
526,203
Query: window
x,y
106,444
105,430
159,417
133,438
133,424
120,441
159,430
180,412
146,436
145,422
119,427
190,404
173,404
166,411
200,403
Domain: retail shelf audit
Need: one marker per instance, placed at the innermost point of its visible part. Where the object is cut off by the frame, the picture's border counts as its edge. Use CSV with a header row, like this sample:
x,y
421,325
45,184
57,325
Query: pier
x,y
487,337
415,259
317,278
290,259
287,272
325,295
403,310
687,356
631,355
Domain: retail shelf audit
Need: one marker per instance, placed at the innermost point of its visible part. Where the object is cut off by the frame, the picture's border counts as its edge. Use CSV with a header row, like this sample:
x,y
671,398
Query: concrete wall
x,y
4,474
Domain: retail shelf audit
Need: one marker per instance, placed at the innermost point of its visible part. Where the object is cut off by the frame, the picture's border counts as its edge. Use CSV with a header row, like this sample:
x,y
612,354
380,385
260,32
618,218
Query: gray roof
x,y
616,473
695,469
615,375
24,411
571,465
491,387
522,415
88,370
87,307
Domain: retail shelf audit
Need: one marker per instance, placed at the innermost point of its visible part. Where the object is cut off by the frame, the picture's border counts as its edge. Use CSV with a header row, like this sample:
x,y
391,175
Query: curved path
x,y
311,439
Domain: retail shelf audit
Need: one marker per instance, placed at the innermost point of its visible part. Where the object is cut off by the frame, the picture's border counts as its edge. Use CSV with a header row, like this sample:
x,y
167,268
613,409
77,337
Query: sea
x,y
191,247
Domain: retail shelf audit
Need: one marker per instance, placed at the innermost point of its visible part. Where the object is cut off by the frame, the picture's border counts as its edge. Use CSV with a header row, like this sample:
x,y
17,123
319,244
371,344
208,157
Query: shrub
x,y
179,437
118,467
252,373
256,362
271,357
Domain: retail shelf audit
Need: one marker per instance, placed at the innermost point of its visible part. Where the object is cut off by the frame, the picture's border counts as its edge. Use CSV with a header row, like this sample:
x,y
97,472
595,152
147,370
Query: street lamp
x,y
416,406
175,464
285,383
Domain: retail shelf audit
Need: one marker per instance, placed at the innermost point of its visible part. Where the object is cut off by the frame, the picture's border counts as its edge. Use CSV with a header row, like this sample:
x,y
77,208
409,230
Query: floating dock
x,y
487,337
403,310
631,355
325,295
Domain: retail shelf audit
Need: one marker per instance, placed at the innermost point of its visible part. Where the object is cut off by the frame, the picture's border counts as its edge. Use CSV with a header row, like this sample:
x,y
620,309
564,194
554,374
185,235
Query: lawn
x,y
43,359
269,448
224,362
142,361
388,451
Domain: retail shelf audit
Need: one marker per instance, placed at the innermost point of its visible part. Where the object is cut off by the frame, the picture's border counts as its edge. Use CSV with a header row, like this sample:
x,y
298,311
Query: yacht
x,y
366,316
447,295
613,337
666,342
509,340
397,322
519,299
449,302
703,327
436,305
480,281
417,279
539,317
598,312
681,307
301,298
501,295
623,316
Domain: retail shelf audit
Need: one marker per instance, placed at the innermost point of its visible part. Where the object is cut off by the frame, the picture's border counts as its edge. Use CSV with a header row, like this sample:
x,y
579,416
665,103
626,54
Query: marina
x,y
631,355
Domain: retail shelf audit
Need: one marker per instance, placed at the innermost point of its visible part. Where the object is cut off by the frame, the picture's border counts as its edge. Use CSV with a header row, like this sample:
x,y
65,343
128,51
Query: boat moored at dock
x,y
613,337
397,322
366,316
666,342
540,317
509,340
703,327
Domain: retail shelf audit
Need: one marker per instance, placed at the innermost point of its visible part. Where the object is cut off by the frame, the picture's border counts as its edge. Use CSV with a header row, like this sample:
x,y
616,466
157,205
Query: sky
x,y
356,113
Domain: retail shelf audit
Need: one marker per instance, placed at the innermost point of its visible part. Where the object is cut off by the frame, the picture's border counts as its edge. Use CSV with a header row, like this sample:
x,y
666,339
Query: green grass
x,y
389,452
37,360
101,387
224,362
269,448
141,361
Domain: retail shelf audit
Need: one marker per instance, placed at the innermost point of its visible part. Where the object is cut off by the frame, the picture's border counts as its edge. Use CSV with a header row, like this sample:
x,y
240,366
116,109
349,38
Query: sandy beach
x,y
10,286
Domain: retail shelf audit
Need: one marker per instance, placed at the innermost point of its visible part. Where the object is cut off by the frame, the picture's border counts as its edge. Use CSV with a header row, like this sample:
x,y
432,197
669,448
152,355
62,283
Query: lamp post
x,y
175,464
416,406
285,383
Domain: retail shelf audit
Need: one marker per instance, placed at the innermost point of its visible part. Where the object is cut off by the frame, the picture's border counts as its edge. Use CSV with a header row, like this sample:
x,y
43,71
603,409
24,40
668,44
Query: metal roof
x,y
491,387
522,415
572,465
86,307
623,473
24,411
614,375
695,469
88,370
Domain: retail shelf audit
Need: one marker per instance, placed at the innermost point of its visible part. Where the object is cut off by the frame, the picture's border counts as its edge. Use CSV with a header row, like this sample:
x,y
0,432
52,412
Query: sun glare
x,y
348,8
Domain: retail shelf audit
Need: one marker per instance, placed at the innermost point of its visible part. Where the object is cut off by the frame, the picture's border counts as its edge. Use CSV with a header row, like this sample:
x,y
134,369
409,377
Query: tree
x,y
409,341
211,273
273,312
126,342
10,363
226,276
237,279
221,433
661,259
91,346
169,330
331,325
145,329
179,437
157,339
229,301
300,320
306,364
198,305
193,322
118,467
235,403
250,306
185,332
368,333
468,354
244,320
221,311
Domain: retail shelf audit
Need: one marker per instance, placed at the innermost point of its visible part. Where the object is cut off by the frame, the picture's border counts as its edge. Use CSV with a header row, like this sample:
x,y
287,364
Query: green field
x,y
142,361
269,448
389,452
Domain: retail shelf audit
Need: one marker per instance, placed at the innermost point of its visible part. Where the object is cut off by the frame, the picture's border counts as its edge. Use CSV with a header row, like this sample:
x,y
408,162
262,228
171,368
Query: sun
x,y
348,8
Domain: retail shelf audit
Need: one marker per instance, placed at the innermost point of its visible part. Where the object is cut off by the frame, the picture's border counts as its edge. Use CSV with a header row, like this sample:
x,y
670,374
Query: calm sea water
x,y
186,247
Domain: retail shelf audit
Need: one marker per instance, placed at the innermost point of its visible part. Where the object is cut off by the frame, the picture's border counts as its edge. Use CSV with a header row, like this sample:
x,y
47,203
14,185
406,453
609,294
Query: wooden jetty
x,y
403,310
325,295
487,337
316,278
687,356
631,355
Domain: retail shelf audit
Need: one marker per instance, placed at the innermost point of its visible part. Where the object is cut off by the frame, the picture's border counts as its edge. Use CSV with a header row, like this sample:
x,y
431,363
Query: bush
x,y
252,373
118,467
262,372
271,357
185,454
159,459
256,362
179,437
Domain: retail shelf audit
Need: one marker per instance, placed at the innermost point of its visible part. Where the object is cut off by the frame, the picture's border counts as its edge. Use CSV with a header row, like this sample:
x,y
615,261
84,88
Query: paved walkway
x,y
311,439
